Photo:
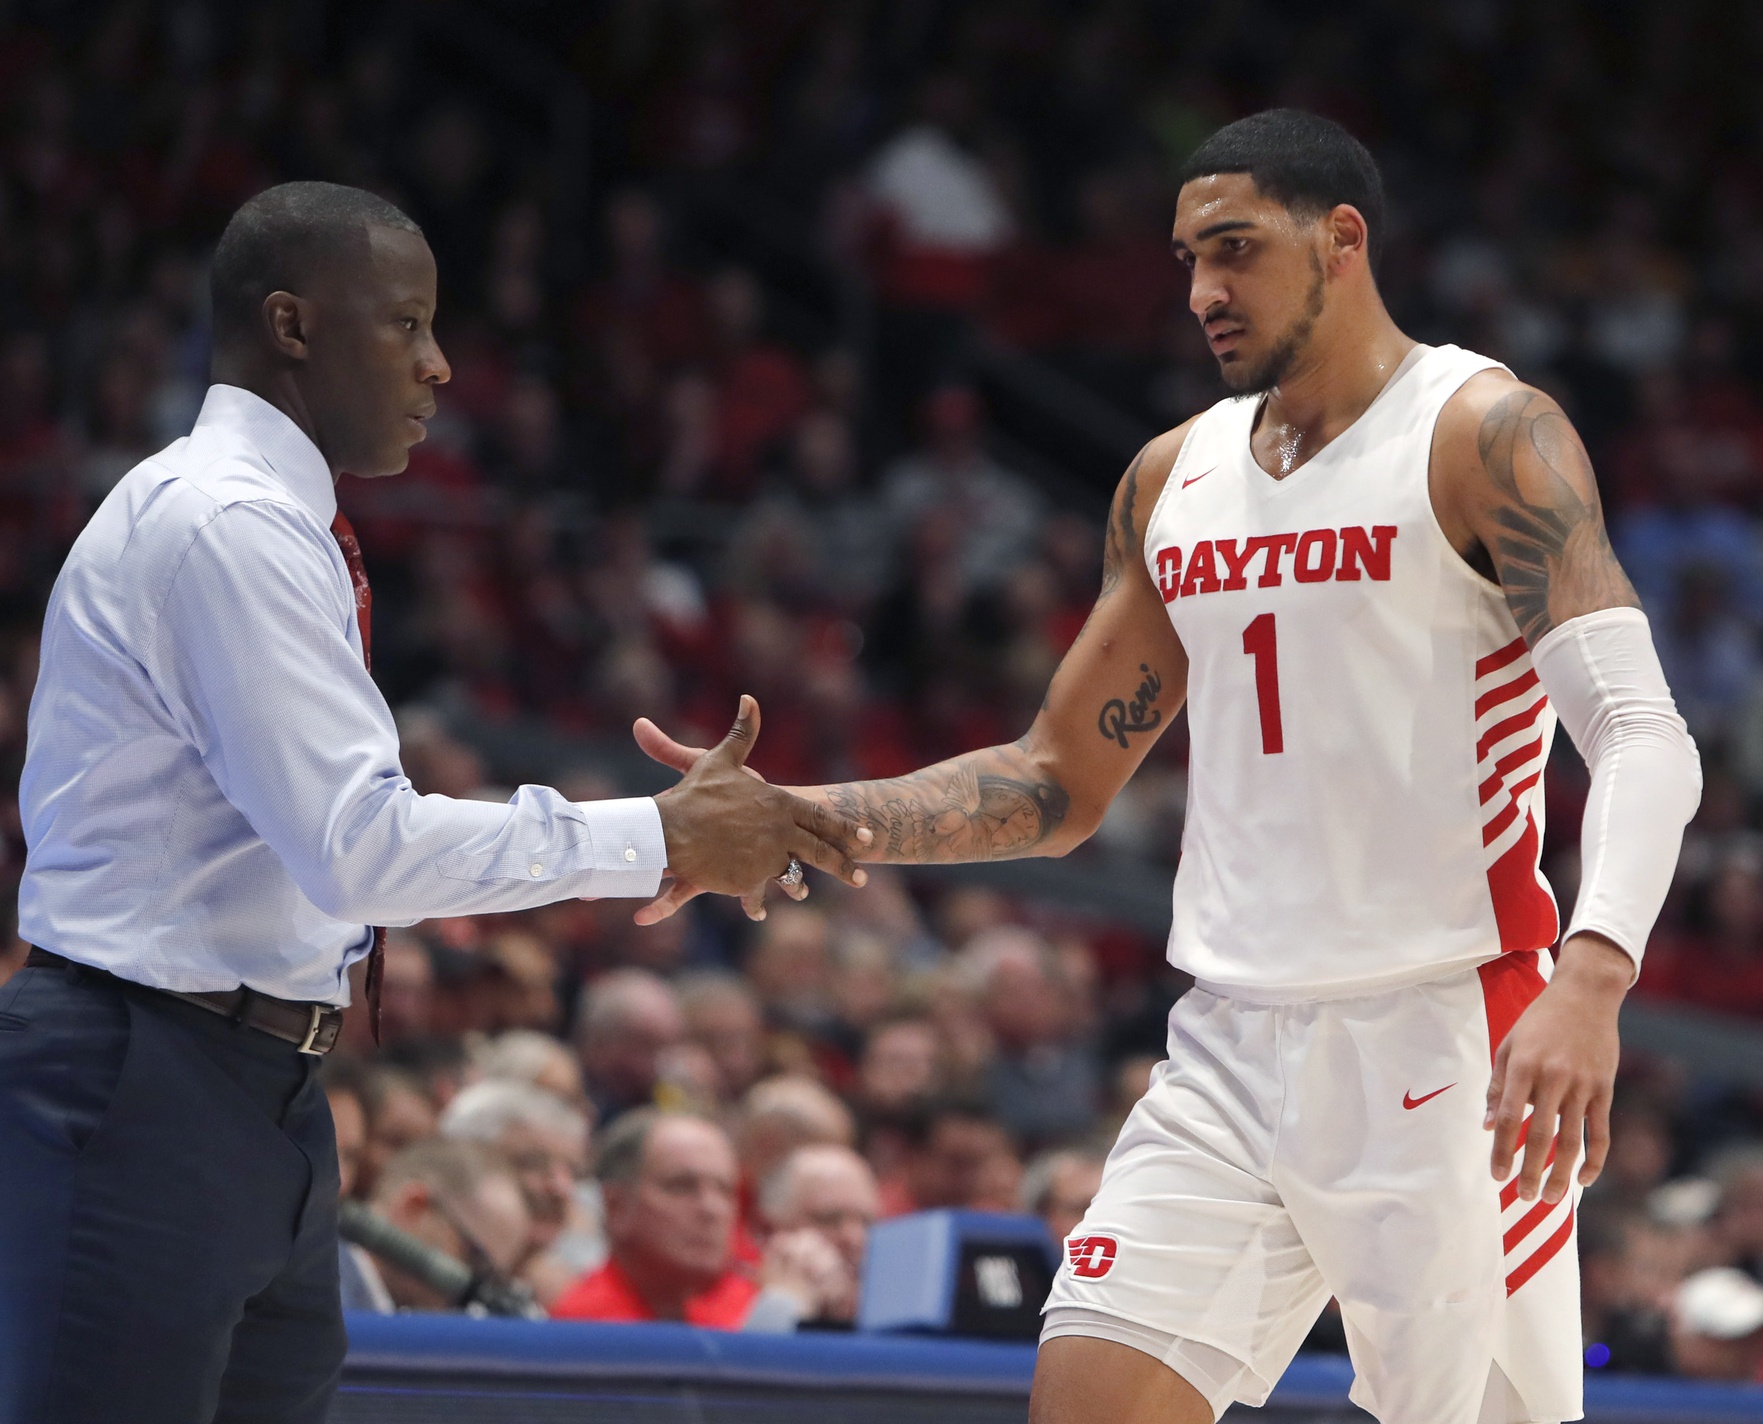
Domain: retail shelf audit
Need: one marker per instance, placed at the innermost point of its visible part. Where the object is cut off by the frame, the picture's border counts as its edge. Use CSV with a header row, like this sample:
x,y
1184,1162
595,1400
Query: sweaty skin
x,y
1290,309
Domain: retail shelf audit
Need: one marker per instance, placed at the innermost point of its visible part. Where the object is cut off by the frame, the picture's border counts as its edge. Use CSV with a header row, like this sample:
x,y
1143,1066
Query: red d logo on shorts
x,y
1091,1256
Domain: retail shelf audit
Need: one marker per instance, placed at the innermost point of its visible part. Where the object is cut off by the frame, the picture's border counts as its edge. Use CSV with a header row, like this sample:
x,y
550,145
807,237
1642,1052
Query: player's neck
x,y
1344,367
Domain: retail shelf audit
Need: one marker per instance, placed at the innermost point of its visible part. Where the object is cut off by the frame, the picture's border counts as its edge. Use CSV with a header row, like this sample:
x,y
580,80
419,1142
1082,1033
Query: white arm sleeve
x,y
1604,679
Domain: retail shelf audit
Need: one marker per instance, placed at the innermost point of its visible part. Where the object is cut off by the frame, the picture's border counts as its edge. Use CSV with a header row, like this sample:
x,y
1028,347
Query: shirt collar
x,y
284,446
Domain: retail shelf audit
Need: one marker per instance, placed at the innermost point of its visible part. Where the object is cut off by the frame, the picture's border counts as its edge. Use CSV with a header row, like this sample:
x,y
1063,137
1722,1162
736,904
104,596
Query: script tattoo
x,y
1120,717
987,805
1552,550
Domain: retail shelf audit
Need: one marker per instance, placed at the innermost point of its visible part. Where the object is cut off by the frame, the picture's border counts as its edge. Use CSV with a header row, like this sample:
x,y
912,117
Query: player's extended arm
x,y
1119,686
1515,493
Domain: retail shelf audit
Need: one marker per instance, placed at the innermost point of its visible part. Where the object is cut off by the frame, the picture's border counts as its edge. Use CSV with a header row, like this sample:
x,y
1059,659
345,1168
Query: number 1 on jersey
x,y
1262,644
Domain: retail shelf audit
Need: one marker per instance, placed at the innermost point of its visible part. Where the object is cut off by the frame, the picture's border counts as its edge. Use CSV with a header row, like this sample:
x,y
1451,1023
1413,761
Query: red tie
x,y
351,547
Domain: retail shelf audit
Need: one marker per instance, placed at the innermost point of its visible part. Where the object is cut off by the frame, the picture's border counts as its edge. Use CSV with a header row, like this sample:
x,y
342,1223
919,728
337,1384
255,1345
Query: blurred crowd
x,y
714,1146
739,297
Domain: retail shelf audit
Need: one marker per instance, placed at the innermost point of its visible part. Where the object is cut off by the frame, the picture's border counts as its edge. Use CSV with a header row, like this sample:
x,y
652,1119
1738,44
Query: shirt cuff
x,y
630,851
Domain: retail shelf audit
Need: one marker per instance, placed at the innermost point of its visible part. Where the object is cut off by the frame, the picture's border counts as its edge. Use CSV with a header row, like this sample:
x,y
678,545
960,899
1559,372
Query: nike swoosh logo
x,y
1197,478
1411,1102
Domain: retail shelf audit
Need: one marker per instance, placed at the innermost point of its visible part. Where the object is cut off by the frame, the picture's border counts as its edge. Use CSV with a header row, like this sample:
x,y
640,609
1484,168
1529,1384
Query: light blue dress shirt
x,y
211,792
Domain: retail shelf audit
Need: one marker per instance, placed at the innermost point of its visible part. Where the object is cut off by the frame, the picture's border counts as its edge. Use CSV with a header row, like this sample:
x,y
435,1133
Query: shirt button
x,y
630,852
538,869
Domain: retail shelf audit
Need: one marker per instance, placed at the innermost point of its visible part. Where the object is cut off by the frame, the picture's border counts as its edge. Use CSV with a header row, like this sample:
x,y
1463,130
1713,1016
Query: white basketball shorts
x,y
1287,1153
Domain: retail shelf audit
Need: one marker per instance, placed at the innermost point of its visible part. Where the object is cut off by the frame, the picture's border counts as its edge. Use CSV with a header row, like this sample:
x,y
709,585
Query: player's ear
x,y
1349,236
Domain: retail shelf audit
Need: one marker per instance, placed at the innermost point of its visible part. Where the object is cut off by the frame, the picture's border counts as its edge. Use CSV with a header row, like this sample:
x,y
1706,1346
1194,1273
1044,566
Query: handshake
x,y
729,832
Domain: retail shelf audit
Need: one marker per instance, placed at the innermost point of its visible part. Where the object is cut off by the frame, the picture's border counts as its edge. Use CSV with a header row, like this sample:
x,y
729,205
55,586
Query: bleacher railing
x,y
423,1369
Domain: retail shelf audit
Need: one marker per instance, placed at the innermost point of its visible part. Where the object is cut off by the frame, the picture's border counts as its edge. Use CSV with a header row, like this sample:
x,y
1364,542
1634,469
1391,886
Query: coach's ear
x,y
285,318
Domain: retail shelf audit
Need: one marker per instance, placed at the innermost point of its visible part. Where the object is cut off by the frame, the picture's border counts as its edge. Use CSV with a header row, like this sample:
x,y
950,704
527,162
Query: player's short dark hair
x,y
1302,160
279,240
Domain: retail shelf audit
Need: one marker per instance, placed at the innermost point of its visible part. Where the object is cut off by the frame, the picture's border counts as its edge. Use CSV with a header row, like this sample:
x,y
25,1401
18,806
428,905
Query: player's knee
x,y
1079,1380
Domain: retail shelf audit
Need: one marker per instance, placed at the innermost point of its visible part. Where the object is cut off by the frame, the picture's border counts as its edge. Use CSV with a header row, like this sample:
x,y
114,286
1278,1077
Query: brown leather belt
x,y
311,1028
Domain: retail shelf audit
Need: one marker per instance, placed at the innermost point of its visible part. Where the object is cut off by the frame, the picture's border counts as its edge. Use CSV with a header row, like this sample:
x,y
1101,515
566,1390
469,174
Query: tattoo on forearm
x,y
1120,717
1552,548
987,805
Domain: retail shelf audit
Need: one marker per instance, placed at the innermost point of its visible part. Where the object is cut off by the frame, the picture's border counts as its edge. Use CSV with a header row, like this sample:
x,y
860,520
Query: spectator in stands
x,y
644,303
625,1023
1641,1149
1059,1185
1717,1326
901,1065
399,1114
791,970
13,949
358,1277
342,1090
828,1190
670,1182
995,513
956,1154
1709,652
1630,1269
527,1056
1738,1219
439,1062
761,388
844,527
1721,967
1041,1084
519,985
545,1141
463,1200
407,989
778,1116
723,1017
937,219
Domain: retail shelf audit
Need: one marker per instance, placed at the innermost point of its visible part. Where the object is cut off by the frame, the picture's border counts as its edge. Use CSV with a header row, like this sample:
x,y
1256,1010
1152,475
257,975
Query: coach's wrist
x,y
1594,965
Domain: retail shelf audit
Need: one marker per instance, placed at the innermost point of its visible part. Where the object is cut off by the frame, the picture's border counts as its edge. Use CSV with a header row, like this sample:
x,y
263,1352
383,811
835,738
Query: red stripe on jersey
x,y
1506,691
1542,1256
1498,659
1527,1224
1508,763
1501,730
1523,909
1509,986
1492,831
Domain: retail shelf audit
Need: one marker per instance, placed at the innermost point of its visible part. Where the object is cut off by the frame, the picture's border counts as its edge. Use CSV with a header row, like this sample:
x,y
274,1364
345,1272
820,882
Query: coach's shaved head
x,y
282,239
324,305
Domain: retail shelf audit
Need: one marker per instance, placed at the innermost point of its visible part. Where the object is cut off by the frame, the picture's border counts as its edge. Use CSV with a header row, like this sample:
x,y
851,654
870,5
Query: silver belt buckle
x,y
312,1033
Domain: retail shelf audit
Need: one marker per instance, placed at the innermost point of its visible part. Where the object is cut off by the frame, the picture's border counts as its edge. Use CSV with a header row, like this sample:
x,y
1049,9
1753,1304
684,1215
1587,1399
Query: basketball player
x,y
1377,576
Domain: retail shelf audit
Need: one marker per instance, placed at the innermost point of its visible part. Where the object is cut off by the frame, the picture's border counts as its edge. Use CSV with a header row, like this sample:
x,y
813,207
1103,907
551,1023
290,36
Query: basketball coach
x,y
216,818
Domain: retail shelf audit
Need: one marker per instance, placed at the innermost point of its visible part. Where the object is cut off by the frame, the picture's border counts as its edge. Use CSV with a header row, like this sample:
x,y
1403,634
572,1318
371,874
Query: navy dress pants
x,y
168,1213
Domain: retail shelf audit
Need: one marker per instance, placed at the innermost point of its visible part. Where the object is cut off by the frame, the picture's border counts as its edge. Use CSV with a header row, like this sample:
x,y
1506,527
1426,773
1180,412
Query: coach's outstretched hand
x,y
730,833
1558,1066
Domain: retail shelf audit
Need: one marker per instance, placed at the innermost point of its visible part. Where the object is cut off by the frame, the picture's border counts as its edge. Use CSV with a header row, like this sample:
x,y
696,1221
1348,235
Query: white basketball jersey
x,y
1365,801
